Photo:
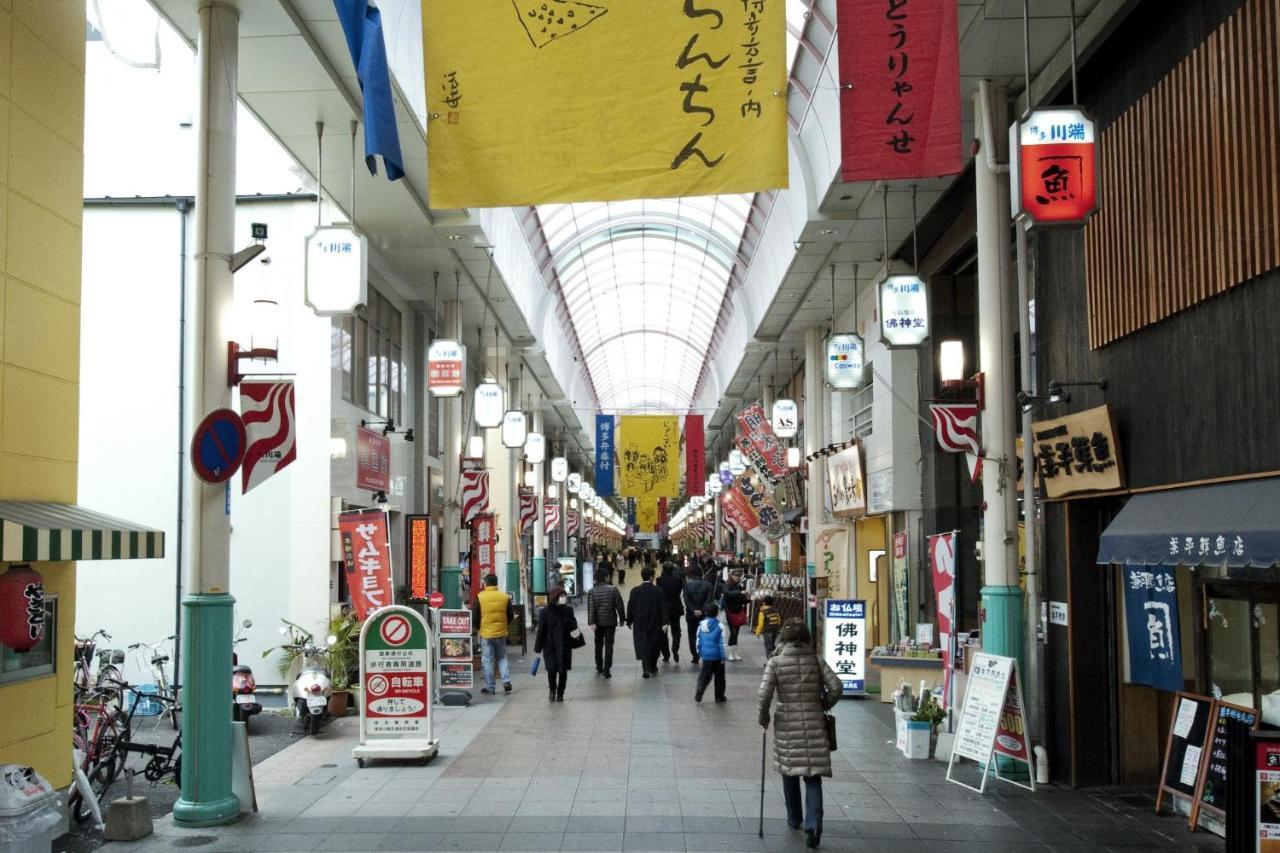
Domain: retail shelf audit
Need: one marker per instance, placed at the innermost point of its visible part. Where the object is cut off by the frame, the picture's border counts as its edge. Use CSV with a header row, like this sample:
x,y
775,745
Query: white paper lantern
x,y
514,432
845,361
489,405
475,447
446,368
535,448
559,469
786,418
737,463
574,483
904,310
337,270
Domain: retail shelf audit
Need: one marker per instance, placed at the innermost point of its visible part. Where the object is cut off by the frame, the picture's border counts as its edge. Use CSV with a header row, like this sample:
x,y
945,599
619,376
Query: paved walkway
x,y
633,764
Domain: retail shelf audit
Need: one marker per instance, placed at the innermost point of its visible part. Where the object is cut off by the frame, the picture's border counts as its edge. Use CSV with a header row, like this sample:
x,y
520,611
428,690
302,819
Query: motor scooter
x,y
309,694
244,699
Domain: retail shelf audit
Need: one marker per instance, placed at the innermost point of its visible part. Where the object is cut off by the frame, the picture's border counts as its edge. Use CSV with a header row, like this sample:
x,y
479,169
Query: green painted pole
x,y
206,798
1002,631
451,586
771,565
539,575
513,580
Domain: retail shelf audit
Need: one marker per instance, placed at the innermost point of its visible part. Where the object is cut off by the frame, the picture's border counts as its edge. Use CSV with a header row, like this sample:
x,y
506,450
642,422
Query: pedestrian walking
x,y
604,613
672,585
713,652
644,618
805,688
492,611
768,623
735,610
697,595
555,641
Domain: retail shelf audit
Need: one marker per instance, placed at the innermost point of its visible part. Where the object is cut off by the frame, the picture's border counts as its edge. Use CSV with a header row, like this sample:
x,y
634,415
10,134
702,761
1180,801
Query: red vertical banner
x,y
662,517
695,456
366,558
899,89
418,531
483,539
942,557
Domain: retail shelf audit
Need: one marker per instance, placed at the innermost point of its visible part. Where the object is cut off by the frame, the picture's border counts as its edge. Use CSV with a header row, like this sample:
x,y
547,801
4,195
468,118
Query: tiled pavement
x,y
632,764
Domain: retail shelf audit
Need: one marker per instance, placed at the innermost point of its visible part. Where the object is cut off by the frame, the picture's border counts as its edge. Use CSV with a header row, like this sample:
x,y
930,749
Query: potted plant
x,y
343,659
932,713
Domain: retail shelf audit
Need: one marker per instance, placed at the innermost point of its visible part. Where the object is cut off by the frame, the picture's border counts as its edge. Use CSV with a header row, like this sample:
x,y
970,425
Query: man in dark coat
x,y
697,595
645,618
672,585
604,614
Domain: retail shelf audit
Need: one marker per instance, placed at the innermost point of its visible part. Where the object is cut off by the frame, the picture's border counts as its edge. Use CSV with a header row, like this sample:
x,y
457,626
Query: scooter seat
x,y
241,669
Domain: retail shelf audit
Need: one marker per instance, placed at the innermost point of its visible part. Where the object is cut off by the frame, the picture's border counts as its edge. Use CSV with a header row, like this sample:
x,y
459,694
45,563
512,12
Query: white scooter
x,y
309,694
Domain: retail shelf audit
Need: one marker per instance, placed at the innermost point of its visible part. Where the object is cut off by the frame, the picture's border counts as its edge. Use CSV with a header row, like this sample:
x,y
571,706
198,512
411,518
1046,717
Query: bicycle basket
x,y
84,651
142,702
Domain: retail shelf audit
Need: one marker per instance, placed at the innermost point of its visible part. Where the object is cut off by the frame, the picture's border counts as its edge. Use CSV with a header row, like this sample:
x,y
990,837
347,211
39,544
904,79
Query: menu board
x,y
1211,796
1184,749
992,721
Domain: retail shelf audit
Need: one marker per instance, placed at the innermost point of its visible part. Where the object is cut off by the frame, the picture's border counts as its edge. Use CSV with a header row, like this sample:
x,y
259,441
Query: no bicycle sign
x,y
395,672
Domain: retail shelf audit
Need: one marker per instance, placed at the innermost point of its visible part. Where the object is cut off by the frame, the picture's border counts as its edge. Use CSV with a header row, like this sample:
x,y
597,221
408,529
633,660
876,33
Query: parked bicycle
x,y
85,680
154,656
164,763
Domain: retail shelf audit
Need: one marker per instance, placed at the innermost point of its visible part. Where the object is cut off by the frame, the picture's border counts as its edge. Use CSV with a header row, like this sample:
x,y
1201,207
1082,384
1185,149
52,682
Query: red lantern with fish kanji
x,y
21,608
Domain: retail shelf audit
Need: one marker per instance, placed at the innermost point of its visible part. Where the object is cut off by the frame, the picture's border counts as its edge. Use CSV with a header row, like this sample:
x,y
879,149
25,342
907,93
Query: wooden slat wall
x,y
1190,182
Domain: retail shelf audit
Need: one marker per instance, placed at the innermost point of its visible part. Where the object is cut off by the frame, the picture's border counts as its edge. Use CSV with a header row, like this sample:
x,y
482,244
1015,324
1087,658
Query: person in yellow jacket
x,y
492,612
768,623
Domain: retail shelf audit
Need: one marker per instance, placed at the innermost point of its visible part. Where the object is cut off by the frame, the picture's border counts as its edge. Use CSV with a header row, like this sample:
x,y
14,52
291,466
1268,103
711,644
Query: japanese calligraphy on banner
x,y
366,559
900,89
647,515
942,557
844,642
649,455
604,456
764,508
696,112
844,480
695,456
1078,453
270,433
759,445
373,460
735,508
484,538
833,558
1151,623
418,534
1052,169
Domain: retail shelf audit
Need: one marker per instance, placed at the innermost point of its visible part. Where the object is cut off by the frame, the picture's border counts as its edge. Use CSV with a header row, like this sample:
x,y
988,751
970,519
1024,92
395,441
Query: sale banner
x,y
484,537
899,89
760,445
695,457
366,558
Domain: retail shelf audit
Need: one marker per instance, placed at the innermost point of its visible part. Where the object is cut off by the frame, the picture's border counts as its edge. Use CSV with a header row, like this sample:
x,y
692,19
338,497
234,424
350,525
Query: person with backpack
x,y
768,624
713,652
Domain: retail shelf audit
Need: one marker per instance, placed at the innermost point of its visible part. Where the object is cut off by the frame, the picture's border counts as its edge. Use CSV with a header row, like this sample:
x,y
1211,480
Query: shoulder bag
x,y
828,719
576,640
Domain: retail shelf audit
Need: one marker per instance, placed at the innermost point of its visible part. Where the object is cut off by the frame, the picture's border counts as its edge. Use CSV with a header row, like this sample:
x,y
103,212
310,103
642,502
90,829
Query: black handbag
x,y
576,640
828,719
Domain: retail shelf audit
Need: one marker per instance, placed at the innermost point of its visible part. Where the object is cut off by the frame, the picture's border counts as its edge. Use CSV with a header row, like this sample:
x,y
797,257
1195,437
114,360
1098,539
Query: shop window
x,y
39,661
860,403
1243,646
368,350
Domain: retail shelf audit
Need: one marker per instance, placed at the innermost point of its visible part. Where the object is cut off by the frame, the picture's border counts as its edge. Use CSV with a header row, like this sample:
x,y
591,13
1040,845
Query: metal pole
x,y
207,799
184,205
1001,596
513,501
1034,627
539,523
450,570
814,438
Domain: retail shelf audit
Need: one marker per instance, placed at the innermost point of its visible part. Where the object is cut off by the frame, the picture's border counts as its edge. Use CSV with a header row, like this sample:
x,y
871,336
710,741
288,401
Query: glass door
x,y
1243,646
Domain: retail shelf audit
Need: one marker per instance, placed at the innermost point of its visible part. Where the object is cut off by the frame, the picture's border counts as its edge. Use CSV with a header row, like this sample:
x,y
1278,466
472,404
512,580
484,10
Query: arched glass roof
x,y
644,282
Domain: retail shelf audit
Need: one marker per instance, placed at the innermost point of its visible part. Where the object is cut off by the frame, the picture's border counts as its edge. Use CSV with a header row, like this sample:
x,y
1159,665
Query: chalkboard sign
x,y
1184,749
1211,795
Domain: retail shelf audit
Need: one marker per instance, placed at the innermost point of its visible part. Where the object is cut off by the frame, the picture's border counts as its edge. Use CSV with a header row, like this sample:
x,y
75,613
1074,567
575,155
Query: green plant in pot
x,y
343,658
932,713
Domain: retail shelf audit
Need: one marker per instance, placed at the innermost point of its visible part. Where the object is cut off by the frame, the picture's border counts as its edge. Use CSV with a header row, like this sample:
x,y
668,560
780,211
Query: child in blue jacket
x,y
713,651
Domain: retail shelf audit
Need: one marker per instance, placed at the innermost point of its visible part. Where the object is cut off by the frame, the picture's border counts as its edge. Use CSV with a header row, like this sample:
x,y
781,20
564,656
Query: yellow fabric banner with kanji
x,y
649,457
538,101
647,515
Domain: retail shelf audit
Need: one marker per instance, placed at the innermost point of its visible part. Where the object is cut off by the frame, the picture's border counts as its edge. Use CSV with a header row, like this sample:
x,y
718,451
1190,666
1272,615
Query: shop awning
x,y
1230,524
31,532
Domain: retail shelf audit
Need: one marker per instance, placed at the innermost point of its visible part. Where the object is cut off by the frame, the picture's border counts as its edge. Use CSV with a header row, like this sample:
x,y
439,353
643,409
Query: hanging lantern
x,y
574,483
21,608
786,418
904,310
559,469
737,463
535,448
489,405
845,361
514,429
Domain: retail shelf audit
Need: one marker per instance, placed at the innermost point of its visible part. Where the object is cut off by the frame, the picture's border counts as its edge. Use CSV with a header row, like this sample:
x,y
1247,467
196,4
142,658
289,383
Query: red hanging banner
x,y
899,89
695,461
484,537
366,557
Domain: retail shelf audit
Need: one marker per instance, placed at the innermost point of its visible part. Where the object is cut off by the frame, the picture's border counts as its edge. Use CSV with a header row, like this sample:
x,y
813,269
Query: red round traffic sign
x,y
435,600
395,630
378,685
217,446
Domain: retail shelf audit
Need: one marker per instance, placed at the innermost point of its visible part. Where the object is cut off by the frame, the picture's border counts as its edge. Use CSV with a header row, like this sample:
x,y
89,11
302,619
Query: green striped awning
x,y
31,531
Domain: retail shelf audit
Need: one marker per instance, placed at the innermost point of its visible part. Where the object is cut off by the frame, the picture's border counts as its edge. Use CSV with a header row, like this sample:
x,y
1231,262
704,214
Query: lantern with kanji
x,y
21,608
1053,170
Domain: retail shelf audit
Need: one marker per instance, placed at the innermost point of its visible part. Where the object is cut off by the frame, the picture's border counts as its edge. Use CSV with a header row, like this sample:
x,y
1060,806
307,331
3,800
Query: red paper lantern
x,y
21,608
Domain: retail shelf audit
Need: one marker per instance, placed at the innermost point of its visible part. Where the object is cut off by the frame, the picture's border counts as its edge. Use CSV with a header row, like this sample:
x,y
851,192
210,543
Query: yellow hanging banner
x,y
538,101
649,457
647,515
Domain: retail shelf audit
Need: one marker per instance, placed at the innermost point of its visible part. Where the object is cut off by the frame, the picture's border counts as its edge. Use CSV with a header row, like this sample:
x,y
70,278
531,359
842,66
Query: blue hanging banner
x,y
1151,616
604,456
362,25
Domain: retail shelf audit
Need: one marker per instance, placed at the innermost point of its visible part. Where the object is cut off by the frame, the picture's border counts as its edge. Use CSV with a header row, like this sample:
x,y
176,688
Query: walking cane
x,y
764,746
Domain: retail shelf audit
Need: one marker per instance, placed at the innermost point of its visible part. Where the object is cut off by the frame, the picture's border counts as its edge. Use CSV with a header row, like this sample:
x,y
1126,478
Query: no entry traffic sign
x,y
217,448
435,600
395,630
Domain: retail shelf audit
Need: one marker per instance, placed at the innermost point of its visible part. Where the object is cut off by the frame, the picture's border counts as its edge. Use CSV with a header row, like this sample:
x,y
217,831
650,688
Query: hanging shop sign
x,y
574,483
764,508
880,492
366,558
955,425
992,722
759,445
446,368
373,460
1151,617
514,430
649,455
395,704
904,311
695,455
473,494
714,486
737,465
692,115
418,551
900,89
535,448
337,270
489,405
844,643
559,469
846,363
1078,453
550,516
270,431
832,561
22,614
528,510
786,418
735,508
604,456
844,483
942,558
484,539
1053,169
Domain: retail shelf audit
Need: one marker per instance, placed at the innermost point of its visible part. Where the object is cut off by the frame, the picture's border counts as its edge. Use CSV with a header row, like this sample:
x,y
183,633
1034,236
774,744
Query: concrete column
x,y
515,470
814,438
772,564
206,798
450,571
719,522
1001,595
539,562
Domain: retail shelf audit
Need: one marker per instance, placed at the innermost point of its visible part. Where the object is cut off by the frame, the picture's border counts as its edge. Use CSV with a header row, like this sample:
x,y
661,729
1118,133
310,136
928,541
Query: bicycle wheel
x,y
100,779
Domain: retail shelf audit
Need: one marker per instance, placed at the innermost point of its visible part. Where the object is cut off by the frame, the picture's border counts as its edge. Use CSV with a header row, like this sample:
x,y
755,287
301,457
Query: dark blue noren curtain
x,y
362,25
1151,617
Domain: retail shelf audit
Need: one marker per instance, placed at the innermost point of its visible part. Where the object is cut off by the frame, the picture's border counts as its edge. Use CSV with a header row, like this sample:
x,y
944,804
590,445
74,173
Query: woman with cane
x,y
806,689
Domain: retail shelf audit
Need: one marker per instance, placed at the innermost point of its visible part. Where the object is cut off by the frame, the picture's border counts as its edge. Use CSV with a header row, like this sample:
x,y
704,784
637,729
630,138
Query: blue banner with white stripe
x,y
604,456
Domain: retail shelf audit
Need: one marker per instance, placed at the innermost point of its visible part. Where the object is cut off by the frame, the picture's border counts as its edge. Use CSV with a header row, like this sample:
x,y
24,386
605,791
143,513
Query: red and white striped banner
x,y
270,435
956,426
572,523
550,517
528,510
475,495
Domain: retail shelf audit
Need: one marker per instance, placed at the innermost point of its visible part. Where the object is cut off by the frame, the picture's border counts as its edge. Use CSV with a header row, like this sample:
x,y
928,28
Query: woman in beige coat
x,y
805,688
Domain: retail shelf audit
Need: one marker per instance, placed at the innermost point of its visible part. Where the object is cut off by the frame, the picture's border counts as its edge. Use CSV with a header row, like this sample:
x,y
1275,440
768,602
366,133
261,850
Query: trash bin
x,y
29,817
